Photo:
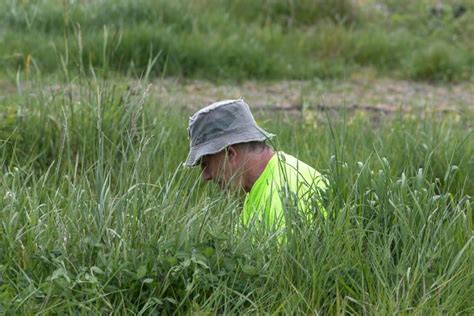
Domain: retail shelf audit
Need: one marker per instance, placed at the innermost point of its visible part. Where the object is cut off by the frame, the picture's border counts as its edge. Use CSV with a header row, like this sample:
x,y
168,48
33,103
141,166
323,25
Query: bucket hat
x,y
219,125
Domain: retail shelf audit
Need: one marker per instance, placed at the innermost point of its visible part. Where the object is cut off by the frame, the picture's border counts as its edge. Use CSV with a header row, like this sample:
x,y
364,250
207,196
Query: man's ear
x,y
232,154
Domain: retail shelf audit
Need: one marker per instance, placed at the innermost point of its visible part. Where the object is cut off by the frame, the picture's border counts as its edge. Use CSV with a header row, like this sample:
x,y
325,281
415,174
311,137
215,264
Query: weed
x,y
99,216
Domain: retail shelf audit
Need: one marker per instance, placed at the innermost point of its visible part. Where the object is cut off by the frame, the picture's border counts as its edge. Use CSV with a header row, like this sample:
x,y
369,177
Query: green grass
x,y
237,40
99,216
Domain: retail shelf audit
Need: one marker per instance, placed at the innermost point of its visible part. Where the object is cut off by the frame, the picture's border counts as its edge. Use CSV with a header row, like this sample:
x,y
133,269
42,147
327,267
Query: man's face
x,y
221,168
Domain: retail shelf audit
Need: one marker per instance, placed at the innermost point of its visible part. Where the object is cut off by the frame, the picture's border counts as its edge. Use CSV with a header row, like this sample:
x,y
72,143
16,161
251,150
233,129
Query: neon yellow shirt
x,y
285,185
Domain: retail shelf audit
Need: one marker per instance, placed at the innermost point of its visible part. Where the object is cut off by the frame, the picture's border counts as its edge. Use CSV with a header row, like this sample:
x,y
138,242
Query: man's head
x,y
236,167
227,143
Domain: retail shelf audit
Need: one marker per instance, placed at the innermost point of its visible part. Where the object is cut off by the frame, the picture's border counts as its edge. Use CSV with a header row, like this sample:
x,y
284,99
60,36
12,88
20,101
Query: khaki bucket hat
x,y
219,125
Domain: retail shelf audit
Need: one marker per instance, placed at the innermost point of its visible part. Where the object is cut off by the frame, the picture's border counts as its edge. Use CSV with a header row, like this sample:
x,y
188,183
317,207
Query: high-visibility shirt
x,y
286,187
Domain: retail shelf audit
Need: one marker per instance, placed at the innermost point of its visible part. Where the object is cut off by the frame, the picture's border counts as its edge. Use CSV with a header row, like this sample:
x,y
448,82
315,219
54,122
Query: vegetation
x,y
98,215
242,39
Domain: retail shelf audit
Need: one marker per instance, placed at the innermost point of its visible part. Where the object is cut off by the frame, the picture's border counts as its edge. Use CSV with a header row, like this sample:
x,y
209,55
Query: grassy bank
x,y
99,216
240,39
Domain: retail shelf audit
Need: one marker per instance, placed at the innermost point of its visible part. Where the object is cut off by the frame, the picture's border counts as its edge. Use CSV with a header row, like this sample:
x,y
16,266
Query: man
x,y
233,151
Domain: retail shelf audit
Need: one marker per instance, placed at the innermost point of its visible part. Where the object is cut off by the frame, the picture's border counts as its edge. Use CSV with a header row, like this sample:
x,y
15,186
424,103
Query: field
x,y
99,216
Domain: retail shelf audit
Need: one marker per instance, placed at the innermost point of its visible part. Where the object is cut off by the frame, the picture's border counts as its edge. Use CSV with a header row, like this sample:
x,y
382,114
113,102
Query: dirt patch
x,y
384,95
360,94
6,88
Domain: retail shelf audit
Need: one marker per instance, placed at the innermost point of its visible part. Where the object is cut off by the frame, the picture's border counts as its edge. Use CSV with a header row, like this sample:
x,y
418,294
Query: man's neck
x,y
255,166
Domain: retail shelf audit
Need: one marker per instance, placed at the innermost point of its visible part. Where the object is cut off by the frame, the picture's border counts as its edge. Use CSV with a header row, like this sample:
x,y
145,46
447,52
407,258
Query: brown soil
x,y
365,93
384,95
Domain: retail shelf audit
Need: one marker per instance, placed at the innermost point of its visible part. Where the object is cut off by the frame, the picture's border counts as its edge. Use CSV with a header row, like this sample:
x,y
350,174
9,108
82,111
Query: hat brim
x,y
220,143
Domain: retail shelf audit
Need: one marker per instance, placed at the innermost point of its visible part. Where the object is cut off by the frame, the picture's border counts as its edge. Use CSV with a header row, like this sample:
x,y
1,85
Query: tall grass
x,y
274,39
98,215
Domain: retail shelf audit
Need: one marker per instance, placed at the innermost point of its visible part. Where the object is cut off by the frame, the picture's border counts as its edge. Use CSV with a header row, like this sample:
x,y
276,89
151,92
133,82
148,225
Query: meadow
x,y
99,216
237,40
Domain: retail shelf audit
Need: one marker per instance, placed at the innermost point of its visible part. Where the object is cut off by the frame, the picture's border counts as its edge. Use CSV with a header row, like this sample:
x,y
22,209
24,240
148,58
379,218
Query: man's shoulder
x,y
295,171
294,164
283,169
